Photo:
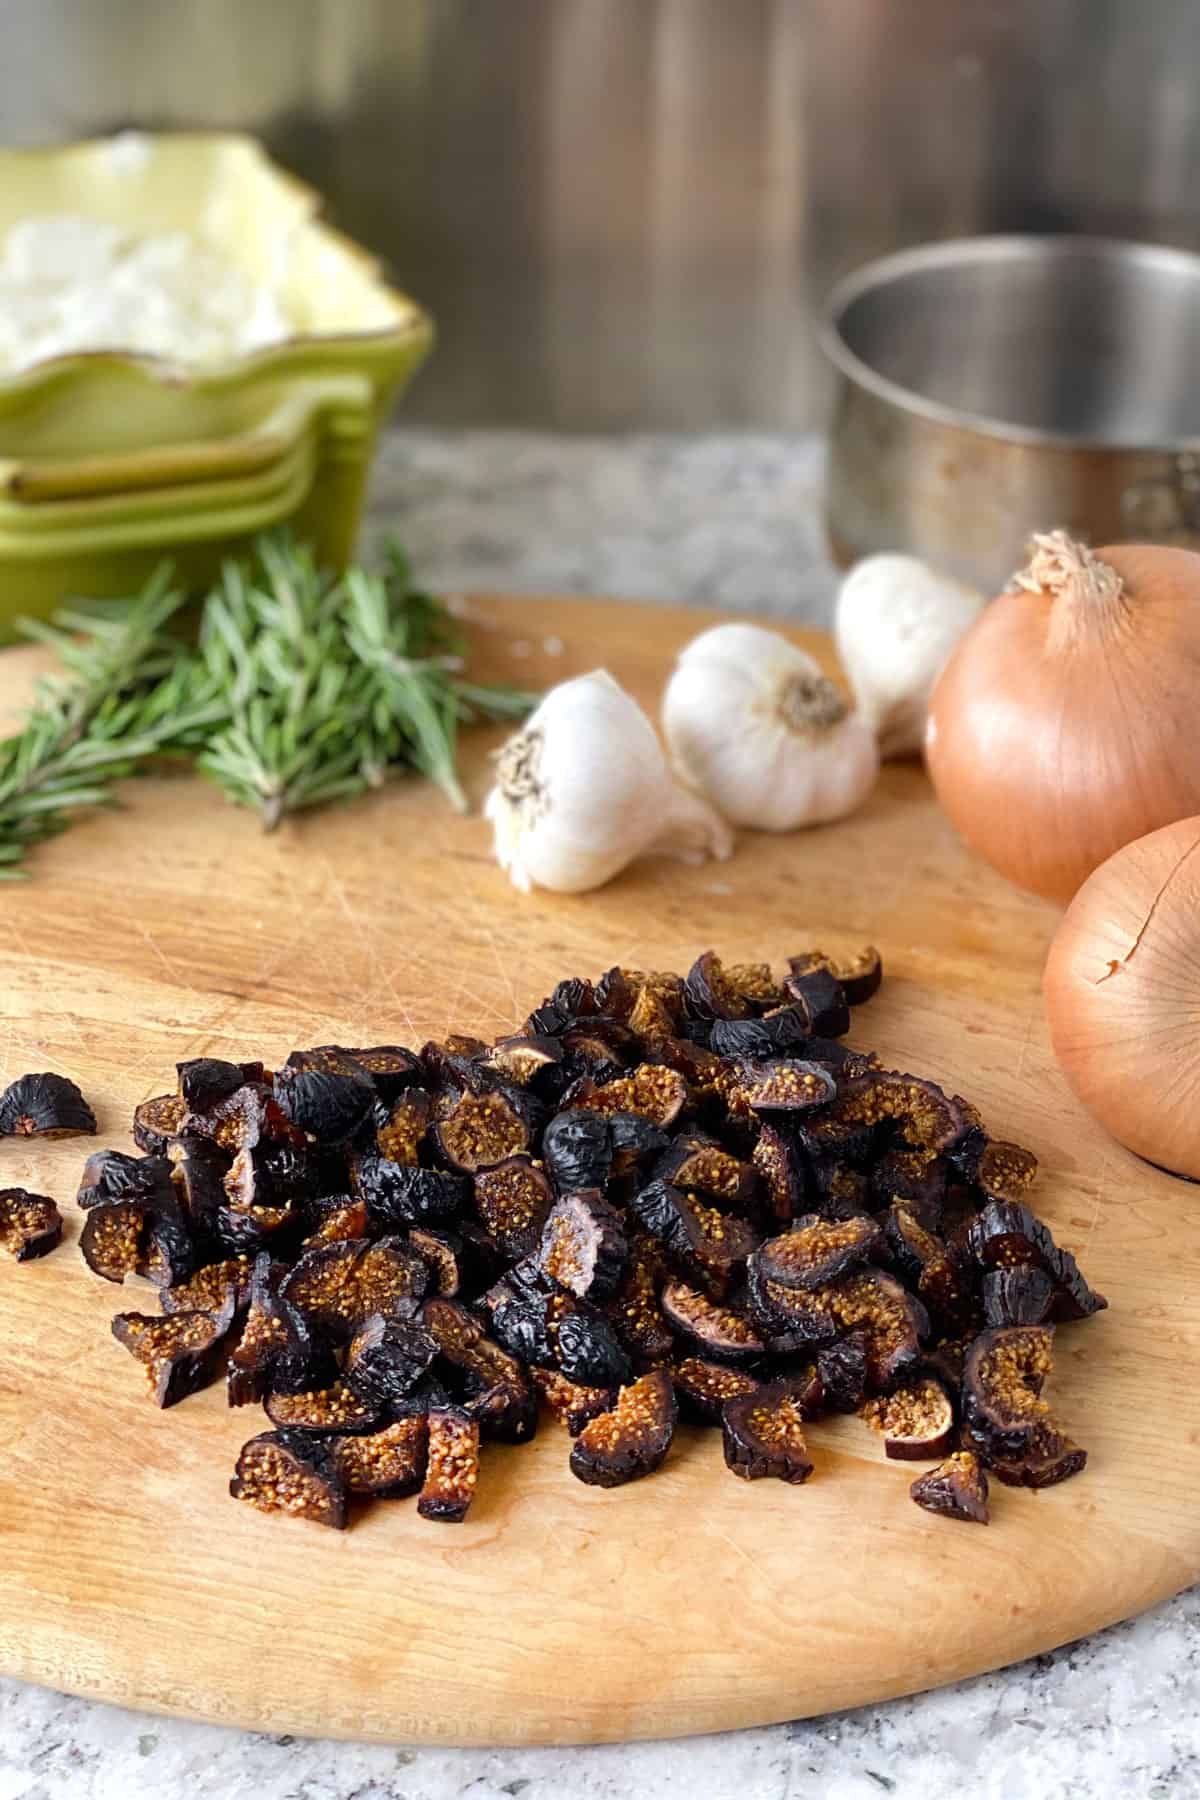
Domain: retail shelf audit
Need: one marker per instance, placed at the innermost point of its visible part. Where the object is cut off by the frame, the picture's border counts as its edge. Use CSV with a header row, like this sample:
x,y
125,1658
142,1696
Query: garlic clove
x,y
583,789
754,725
895,623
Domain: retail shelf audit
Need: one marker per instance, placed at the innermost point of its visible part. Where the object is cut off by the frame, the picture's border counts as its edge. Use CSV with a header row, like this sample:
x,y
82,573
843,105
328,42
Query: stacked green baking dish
x,y
111,462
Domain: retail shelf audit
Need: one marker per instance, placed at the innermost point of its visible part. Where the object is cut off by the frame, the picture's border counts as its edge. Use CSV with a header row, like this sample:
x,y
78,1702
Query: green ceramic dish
x,y
109,462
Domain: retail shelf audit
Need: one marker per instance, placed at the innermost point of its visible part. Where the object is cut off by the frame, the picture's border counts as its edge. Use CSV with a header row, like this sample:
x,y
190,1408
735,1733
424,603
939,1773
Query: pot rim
x,y
997,247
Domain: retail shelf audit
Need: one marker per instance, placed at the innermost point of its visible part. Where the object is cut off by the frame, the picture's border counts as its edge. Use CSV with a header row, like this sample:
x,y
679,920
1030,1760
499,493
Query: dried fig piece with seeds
x,y
709,991
842,1372
339,1225
859,975
387,1464
499,1392
956,1489
583,1246
206,1080
916,1420
910,1248
327,1105
441,1251
45,1105
514,1200
706,1241
703,1165
452,1466
893,1321
179,1352
30,1224
1005,1171
818,1251
913,1179
1007,1235
780,1166
339,1286
112,1175
336,1408
577,1150
635,1141
524,1059
652,1091
276,1348
138,1237
392,1069
775,1034
755,983
782,1088
1003,1378
573,1405
206,1290
836,1189
397,1194
720,1332
388,1357
278,1472
632,1439
634,1311
702,1387
480,1131
822,1001
1049,1458
198,1168
763,1433
1020,1296
156,1121
400,1135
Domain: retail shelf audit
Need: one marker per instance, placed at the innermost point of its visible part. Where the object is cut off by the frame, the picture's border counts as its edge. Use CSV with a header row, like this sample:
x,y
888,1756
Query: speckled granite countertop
x,y
724,521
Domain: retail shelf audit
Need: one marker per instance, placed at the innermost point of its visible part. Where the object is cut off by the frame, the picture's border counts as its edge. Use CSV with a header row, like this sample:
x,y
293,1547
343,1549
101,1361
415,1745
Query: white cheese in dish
x,y
70,283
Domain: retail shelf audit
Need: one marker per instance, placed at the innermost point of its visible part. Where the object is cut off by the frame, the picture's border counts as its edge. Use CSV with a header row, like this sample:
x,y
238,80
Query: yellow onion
x,y
1122,988
1067,721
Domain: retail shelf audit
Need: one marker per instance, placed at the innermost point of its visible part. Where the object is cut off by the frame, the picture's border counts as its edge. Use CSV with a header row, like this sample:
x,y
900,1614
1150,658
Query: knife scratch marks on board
x,y
362,930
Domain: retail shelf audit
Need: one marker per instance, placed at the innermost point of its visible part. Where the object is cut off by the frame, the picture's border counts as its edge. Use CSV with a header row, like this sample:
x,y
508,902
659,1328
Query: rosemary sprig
x,y
124,696
302,688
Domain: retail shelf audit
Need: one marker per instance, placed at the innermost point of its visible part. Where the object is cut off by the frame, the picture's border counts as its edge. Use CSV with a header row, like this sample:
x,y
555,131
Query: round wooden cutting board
x,y
556,1613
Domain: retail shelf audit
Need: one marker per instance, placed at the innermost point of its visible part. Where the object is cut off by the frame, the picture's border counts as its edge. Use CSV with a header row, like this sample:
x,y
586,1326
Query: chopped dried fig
x,y
956,1489
30,1224
708,1243
275,1348
818,1251
842,1372
755,983
702,1165
1006,1236
783,1088
703,1387
1003,1378
719,1331
138,1237
635,1312
514,1199
441,1251
583,1246
339,1225
398,1194
837,1190
575,1406
916,1420
400,1135
1005,1171
329,1106
523,1059
338,1407
775,1034
822,1000
391,1068
198,1168
632,1439
44,1105
780,1167
387,1464
388,1357
112,1175
156,1121
206,1080
179,1352
339,1286
206,1290
1049,1457
584,1345
635,1141
859,976
577,1150
500,1394
915,1180
278,1472
452,1466
249,1116
710,993
480,1131
1020,1296
893,1321
652,1091
763,1433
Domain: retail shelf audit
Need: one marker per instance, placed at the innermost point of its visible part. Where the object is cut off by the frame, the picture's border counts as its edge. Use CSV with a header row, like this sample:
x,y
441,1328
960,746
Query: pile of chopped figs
x,y
663,1196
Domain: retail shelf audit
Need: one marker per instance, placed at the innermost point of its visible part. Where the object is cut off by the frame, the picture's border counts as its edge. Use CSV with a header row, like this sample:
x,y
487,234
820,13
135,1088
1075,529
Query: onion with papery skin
x,y
1067,721
1122,989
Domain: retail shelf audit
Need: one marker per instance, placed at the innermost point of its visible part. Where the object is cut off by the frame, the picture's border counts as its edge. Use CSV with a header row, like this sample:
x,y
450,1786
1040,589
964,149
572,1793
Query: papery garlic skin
x,y
895,623
753,725
583,789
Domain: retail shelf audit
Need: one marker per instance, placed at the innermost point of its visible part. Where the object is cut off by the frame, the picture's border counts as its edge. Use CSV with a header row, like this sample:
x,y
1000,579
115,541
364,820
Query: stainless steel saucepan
x,y
995,386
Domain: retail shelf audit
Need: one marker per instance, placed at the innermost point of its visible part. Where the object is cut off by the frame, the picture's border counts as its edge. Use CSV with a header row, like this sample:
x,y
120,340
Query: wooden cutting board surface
x,y
556,1613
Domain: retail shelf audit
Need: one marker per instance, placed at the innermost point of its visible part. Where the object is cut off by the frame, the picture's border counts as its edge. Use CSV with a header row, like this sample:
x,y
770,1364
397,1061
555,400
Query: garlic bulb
x,y
754,725
896,622
584,788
